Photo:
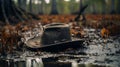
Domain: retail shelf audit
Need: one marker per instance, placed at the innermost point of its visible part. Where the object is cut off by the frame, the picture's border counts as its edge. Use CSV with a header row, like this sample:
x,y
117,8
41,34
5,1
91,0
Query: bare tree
x,y
118,8
54,7
94,9
10,13
112,7
81,3
24,5
19,3
41,5
30,6
80,13
103,6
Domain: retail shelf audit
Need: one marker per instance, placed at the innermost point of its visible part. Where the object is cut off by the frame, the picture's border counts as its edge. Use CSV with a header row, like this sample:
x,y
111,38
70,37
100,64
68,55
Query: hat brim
x,y
34,44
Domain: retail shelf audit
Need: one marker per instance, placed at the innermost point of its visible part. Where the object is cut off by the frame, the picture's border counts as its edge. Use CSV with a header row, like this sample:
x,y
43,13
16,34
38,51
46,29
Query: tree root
x,y
11,14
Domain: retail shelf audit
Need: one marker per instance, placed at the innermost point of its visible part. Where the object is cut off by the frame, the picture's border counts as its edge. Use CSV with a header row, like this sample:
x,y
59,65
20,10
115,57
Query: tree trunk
x,y
41,7
24,4
54,7
81,4
72,6
30,6
11,14
19,3
93,9
112,7
117,6
104,7
80,13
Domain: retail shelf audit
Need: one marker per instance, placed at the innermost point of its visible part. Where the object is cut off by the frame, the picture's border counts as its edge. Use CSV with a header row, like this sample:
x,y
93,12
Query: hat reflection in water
x,y
38,62
28,62
34,62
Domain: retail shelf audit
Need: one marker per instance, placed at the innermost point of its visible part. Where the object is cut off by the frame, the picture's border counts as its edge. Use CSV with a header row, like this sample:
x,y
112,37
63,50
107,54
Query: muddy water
x,y
98,52
102,51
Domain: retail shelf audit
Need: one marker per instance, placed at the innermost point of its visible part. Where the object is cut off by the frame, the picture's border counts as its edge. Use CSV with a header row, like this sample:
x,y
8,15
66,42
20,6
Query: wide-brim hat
x,y
56,36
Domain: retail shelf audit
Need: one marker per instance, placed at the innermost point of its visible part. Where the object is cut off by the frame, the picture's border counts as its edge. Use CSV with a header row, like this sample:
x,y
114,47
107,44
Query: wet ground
x,y
98,52
102,51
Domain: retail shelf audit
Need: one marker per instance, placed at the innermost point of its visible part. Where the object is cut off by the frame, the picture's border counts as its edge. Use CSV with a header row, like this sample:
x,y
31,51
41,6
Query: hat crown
x,y
55,33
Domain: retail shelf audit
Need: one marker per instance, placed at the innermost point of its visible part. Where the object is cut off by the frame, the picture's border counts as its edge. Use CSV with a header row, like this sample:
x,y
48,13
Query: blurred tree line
x,y
69,6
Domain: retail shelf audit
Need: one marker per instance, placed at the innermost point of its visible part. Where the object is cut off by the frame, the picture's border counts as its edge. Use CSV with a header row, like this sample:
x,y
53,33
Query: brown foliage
x,y
105,32
110,30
